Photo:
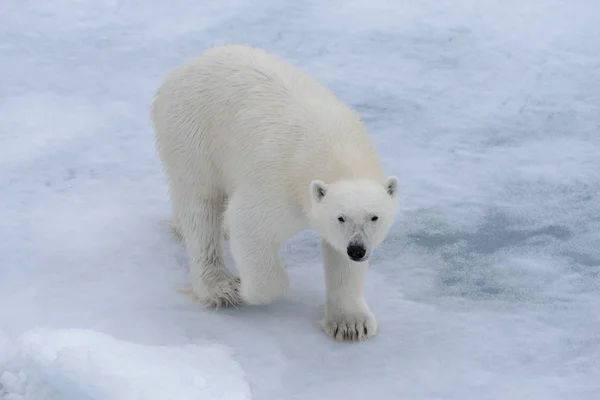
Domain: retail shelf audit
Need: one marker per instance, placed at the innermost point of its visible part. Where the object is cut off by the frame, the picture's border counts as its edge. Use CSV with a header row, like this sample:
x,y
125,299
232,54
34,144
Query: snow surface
x,y
488,286
91,365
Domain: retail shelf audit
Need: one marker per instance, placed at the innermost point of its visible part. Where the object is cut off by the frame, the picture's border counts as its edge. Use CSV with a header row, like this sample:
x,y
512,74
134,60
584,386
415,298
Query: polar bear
x,y
255,147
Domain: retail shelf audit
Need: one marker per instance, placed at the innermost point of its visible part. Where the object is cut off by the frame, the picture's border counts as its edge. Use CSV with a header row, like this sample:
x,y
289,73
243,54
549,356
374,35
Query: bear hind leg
x,y
200,225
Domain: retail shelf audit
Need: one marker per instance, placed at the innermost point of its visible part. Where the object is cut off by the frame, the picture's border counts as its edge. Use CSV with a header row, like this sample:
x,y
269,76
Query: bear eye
x,y
374,218
341,219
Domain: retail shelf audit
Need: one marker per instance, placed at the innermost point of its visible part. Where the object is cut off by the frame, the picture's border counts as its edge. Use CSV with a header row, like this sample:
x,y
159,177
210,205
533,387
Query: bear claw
x,y
350,331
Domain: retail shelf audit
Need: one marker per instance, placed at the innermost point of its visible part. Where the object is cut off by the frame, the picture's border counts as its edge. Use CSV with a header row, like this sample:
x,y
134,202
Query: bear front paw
x,y
351,328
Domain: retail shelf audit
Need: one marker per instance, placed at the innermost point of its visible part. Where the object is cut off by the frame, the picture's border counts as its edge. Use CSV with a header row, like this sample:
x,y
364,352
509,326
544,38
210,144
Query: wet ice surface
x,y
487,287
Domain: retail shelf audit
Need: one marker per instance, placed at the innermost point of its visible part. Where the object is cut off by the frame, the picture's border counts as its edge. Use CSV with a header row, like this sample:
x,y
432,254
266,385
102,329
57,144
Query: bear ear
x,y
391,186
318,189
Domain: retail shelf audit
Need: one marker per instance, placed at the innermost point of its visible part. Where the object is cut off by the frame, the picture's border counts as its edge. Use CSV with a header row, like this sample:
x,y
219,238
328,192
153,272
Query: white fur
x,y
246,137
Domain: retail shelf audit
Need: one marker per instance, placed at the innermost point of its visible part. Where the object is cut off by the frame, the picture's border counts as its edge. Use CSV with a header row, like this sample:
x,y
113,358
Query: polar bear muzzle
x,y
356,251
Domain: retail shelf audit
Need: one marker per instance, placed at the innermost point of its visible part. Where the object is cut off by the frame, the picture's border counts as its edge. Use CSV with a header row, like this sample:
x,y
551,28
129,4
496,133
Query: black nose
x,y
356,252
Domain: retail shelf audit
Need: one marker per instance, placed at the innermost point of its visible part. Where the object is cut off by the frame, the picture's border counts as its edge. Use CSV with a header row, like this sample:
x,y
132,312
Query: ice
x,y
488,286
80,364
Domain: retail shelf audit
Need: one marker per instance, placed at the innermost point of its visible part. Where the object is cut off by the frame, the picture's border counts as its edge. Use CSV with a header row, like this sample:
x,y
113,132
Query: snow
x,y
488,286
86,364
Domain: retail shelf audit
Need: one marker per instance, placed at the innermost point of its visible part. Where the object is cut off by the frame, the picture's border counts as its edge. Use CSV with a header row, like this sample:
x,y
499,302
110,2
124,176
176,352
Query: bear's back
x,y
259,118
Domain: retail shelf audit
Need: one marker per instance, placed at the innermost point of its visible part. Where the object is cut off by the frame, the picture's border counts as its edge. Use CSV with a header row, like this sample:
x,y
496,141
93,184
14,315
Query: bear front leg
x,y
255,249
262,273
347,315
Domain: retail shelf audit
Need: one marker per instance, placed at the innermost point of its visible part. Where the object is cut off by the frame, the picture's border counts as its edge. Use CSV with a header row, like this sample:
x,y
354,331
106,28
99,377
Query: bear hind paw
x,y
223,293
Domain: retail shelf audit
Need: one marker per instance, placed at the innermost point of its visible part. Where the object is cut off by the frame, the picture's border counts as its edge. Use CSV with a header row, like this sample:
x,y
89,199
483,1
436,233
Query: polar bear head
x,y
353,216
